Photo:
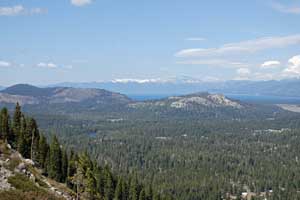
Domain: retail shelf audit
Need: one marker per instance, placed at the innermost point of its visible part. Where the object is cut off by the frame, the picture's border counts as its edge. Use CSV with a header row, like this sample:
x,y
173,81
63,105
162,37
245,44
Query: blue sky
x,y
50,41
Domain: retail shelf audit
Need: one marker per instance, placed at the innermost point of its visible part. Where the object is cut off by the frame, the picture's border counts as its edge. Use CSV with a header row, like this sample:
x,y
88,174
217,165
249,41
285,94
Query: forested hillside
x,y
76,170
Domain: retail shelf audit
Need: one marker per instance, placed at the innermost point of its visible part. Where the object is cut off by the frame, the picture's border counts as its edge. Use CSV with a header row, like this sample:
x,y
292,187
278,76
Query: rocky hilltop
x,y
20,179
192,101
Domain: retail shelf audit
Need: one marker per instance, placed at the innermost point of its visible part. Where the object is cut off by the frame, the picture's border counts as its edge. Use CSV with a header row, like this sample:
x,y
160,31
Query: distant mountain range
x,y
28,94
288,88
89,101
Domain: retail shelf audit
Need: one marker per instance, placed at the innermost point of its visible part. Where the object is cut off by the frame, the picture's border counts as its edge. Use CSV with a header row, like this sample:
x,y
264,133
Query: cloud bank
x,y
20,10
5,64
80,2
285,9
248,46
270,64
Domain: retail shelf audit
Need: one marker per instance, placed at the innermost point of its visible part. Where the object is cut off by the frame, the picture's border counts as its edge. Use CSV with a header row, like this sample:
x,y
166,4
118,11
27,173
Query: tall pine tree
x,y
55,169
4,131
22,145
42,151
17,119
64,166
33,139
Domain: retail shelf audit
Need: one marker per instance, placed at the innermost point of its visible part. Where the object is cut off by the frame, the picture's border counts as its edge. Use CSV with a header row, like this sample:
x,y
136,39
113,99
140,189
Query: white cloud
x,y
11,11
243,71
293,70
81,2
243,74
47,65
264,76
51,65
210,79
128,80
20,10
37,11
5,64
195,39
248,46
215,62
270,64
286,9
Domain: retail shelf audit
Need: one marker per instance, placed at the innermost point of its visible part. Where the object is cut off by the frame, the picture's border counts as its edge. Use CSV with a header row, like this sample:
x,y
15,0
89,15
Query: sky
x,y
52,41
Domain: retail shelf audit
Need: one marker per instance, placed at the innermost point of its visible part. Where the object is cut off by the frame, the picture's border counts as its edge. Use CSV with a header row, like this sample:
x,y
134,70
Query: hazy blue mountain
x,y
28,94
100,102
287,88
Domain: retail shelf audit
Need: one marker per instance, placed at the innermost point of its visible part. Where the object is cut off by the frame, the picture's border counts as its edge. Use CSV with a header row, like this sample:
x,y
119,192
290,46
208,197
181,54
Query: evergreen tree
x,y
43,151
47,163
1,124
33,139
100,181
4,131
71,169
125,192
91,184
22,145
142,195
108,185
156,197
55,169
78,179
64,165
119,190
133,190
17,120
149,192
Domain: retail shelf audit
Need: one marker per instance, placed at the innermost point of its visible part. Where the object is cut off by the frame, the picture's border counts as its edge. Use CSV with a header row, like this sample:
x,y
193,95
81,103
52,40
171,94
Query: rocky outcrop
x,y
12,158
199,99
4,174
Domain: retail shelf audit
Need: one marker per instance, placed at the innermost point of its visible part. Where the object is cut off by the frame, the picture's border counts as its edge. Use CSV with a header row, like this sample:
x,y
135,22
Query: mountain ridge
x,y
285,87
28,94
84,101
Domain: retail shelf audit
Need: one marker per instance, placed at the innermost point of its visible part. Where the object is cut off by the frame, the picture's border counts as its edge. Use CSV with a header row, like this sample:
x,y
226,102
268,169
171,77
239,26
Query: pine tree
x,y
133,190
78,179
71,169
1,124
4,132
43,149
17,119
55,170
149,192
156,197
142,195
22,145
91,184
33,135
64,165
119,190
47,163
125,193
100,177
108,185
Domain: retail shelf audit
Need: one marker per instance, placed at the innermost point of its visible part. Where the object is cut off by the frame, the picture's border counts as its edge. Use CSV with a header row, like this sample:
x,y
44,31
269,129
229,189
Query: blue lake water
x,y
246,98
92,134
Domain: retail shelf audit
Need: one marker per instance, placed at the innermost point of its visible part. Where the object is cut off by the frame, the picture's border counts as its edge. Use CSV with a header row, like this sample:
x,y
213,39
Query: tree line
x,y
77,170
